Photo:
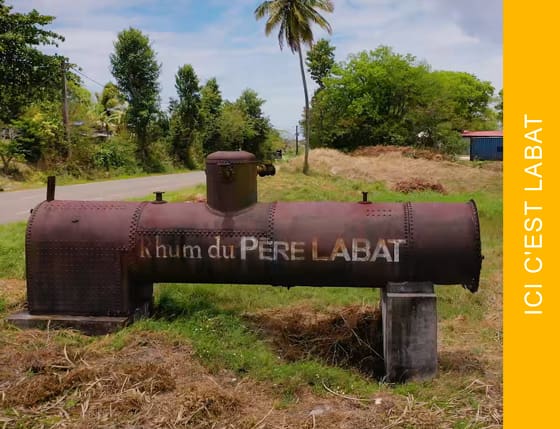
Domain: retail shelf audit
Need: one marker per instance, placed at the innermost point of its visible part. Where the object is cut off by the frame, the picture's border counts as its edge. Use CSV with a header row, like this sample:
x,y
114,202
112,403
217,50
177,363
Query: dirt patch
x,y
54,370
13,294
418,185
91,387
461,361
392,167
349,337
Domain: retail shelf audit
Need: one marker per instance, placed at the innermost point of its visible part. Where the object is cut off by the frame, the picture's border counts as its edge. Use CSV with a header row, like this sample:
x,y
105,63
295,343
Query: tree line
x,y
381,97
376,97
123,126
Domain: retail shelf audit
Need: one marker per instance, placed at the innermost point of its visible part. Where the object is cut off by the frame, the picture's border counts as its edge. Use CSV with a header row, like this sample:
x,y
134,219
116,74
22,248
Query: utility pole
x,y
65,119
297,137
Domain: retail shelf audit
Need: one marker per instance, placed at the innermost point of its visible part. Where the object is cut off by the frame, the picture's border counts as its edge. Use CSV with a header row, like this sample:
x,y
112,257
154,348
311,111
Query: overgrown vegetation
x,y
376,97
234,355
123,128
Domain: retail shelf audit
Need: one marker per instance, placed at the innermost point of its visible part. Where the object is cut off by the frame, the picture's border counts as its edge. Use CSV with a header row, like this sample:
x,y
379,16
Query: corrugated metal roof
x,y
482,134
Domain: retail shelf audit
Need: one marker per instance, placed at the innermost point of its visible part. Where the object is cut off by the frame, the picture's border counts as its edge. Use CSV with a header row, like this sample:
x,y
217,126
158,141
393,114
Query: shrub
x,y
115,153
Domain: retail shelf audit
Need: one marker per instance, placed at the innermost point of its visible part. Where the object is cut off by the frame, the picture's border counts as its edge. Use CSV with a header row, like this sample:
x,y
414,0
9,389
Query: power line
x,y
87,77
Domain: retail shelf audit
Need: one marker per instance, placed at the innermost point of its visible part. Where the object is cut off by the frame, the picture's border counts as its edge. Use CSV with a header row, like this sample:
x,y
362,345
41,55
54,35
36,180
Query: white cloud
x,y
447,34
96,14
225,41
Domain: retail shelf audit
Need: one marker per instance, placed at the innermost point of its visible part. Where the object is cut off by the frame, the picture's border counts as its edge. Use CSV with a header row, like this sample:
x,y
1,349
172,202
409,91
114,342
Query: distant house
x,y
485,145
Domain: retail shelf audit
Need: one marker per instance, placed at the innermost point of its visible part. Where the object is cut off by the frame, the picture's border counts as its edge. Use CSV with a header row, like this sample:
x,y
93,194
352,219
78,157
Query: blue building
x,y
486,145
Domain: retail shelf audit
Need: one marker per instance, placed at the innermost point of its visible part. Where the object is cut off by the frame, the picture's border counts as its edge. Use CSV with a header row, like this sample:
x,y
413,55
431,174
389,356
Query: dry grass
x,y
62,379
350,336
154,381
146,380
418,185
13,294
409,152
392,167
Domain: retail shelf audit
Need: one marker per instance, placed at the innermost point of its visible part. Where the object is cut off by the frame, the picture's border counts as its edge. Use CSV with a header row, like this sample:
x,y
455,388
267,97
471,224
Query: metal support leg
x,y
409,331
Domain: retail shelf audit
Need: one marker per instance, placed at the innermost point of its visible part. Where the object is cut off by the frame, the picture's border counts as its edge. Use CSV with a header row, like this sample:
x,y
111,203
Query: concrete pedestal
x,y
409,331
89,325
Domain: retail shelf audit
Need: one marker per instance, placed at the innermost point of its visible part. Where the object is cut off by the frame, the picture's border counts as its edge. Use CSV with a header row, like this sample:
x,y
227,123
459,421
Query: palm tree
x,y
294,19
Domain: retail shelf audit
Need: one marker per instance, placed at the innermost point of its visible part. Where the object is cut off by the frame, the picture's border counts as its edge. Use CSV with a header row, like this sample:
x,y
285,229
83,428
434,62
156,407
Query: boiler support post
x,y
409,331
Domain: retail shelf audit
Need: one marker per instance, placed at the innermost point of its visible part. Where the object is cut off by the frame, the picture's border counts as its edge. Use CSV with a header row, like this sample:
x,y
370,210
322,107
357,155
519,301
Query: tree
x,y
451,103
320,61
10,148
500,106
243,126
110,98
210,109
40,134
26,74
233,127
381,97
468,98
134,66
111,107
366,100
185,114
257,125
294,19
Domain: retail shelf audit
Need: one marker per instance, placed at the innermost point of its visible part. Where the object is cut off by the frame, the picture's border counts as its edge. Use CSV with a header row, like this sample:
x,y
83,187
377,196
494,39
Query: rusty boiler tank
x,y
91,258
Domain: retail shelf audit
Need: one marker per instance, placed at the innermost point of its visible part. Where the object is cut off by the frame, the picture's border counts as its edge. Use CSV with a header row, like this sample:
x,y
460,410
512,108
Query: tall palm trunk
x,y
307,119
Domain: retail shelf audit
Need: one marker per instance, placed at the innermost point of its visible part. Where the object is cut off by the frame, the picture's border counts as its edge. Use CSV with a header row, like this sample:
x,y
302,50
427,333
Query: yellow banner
x,y
531,189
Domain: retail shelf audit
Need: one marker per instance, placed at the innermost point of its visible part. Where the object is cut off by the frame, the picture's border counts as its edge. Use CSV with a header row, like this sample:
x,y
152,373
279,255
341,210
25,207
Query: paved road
x,y
15,206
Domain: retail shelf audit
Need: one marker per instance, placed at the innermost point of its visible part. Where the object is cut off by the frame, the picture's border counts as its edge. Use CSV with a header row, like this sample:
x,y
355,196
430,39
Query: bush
x,y
115,153
196,156
158,160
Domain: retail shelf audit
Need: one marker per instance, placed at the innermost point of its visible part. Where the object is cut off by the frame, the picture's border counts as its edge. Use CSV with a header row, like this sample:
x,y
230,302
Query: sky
x,y
222,39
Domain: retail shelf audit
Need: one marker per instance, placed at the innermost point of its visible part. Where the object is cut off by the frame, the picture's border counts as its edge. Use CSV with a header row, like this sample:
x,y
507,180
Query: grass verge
x,y
218,322
12,250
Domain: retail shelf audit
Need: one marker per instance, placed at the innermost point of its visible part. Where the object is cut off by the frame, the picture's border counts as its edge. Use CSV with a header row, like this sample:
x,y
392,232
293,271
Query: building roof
x,y
482,134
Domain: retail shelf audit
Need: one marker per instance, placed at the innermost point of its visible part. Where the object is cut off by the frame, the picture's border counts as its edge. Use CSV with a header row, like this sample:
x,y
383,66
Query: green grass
x,y
221,339
100,176
12,250
240,298
39,179
211,317
453,301
187,194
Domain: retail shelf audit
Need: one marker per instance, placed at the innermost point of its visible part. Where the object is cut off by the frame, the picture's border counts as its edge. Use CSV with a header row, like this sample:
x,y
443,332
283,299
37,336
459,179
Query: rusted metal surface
x,y
231,180
75,256
266,170
51,185
102,258
314,244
